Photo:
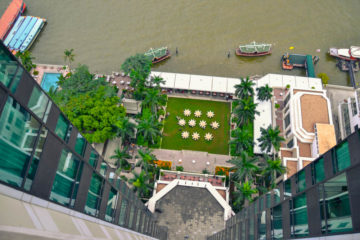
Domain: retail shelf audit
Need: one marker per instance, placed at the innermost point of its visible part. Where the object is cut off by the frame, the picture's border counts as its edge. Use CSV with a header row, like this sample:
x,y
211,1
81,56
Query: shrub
x,y
179,168
288,86
277,105
205,171
324,78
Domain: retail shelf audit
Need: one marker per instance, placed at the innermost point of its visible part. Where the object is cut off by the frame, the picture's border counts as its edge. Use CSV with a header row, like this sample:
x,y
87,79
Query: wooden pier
x,y
351,67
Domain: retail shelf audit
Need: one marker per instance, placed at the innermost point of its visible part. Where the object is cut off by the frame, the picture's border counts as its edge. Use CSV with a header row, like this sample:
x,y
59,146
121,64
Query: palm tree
x,y
149,129
264,93
141,185
242,140
244,166
153,98
121,157
245,111
69,56
244,192
245,89
157,81
146,159
26,60
125,130
273,169
270,139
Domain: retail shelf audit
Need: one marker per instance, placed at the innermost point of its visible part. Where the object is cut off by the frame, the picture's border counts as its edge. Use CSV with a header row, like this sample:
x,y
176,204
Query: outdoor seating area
x,y
215,180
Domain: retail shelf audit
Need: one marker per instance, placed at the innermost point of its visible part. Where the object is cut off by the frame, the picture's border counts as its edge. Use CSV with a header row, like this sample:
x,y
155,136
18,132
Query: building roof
x,y
314,109
200,83
325,136
219,84
182,81
132,106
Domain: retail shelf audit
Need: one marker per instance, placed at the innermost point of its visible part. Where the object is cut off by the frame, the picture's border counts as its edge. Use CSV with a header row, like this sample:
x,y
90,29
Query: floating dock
x,y
11,14
289,61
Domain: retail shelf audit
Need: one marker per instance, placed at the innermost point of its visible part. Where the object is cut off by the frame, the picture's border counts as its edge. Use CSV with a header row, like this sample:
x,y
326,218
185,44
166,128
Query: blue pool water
x,y
49,80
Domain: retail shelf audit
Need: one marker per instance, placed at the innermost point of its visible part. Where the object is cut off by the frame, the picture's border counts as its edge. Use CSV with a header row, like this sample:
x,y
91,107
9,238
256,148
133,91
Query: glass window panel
x,y
276,195
335,205
94,195
251,224
62,127
18,133
77,182
111,205
138,220
123,211
318,170
301,180
261,201
36,158
131,216
262,225
16,80
342,156
80,144
8,68
300,217
103,168
277,229
243,230
65,179
268,200
38,102
287,191
93,158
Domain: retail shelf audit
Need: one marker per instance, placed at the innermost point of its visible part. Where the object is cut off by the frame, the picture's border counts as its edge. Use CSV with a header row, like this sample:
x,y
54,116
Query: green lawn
x,y
172,131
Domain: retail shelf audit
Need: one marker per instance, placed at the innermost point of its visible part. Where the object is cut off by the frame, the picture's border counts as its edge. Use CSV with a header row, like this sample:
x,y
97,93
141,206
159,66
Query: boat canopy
x,y
355,51
310,66
344,52
156,53
255,47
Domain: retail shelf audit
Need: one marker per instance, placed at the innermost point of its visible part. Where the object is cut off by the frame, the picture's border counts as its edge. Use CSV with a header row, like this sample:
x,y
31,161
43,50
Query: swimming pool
x,y
49,80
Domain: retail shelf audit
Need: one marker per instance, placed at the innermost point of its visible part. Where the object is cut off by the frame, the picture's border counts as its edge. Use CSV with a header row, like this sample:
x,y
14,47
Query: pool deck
x,y
48,68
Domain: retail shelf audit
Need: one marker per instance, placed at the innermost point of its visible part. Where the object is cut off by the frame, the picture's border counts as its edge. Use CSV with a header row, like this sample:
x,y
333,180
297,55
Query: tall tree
x,y
153,99
27,60
149,128
242,140
244,166
125,129
270,139
121,157
244,90
141,185
264,93
243,193
245,111
273,168
145,160
69,57
156,81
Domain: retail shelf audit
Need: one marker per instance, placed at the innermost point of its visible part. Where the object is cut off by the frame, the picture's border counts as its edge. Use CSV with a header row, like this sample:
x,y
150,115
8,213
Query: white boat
x,y
355,51
351,54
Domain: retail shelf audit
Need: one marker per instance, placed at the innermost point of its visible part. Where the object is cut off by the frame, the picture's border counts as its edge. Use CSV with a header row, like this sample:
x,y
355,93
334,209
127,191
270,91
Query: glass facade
x,y
80,145
334,205
123,212
19,132
39,103
64,185
63,128
287,188
276,225
318,171
111,205
93,158
94,195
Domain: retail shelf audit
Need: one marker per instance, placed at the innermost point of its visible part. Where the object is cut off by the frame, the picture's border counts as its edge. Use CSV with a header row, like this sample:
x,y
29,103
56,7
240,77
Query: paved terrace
x,y
192,161
196,217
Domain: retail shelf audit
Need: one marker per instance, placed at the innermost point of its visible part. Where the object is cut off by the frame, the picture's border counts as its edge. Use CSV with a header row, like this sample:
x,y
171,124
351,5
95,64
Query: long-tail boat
x,y
253,49
158,54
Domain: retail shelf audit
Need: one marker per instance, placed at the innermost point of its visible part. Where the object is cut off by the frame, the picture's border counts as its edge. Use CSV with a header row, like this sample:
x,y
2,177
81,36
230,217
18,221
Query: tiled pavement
x,y
191,212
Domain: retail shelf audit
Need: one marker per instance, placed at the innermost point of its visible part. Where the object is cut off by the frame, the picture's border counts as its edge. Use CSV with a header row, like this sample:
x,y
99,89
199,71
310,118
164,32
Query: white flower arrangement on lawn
x,y
215,125
202,124
210,114
208,137
197,113
182,122
195,136
192,123
187,112
185,134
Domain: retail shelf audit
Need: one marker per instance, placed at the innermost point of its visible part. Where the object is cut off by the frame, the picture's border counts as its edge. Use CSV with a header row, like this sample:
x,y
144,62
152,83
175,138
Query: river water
x,y
105,32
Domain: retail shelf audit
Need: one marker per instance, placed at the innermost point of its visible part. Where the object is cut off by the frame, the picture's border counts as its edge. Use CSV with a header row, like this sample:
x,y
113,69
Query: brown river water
x,y
105,32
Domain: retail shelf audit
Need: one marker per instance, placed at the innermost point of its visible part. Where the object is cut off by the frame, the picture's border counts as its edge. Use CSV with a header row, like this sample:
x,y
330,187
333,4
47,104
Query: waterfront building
x,y
319,202
53,184
349,114
302,111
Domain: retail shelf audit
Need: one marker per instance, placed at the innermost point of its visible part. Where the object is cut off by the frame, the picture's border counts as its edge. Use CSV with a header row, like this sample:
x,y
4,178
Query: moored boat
x,y
32,35
289,61
253,49
158,54
13,31
352,54
11,14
